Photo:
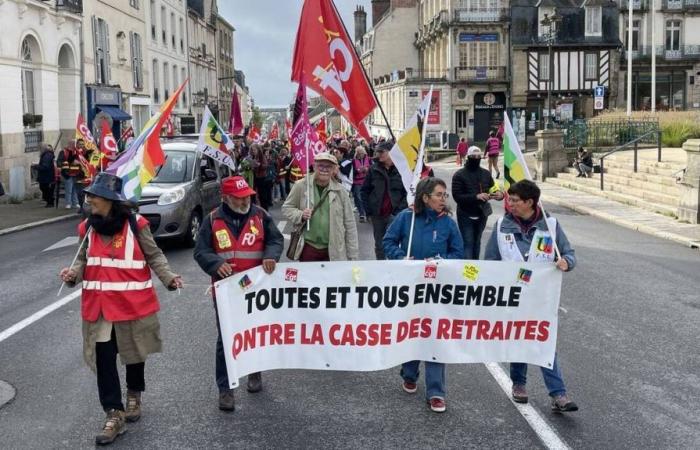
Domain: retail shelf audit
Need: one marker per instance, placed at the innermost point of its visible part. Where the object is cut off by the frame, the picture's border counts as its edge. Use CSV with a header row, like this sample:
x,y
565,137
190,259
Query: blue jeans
x,y
553,379
434,377
357,195
71,192
471,231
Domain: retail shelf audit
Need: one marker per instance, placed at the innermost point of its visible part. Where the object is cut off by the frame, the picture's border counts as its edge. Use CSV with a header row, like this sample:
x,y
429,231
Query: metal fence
x,y
596,134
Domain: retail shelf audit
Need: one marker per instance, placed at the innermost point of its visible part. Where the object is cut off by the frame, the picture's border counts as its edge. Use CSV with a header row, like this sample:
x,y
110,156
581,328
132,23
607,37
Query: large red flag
x,y
326,56
254,133
274,132
108,146
235,121
321,129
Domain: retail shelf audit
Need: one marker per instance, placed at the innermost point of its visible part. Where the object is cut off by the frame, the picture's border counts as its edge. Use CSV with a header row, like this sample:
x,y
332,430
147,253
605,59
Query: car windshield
x,y
176,169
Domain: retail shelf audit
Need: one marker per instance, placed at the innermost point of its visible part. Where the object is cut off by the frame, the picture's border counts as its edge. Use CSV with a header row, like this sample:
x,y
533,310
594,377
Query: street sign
x,y
599,103
599,91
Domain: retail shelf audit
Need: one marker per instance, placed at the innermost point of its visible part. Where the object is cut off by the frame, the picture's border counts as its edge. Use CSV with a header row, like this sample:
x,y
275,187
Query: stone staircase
x,y
653,187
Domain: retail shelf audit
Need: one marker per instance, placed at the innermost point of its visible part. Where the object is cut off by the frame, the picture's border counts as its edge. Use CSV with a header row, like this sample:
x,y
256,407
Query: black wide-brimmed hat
x,y
107,186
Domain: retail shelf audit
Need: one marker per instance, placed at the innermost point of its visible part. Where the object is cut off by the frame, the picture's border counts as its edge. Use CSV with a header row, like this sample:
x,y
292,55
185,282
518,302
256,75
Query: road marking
x,y
19,326
564,309
539,425
65,242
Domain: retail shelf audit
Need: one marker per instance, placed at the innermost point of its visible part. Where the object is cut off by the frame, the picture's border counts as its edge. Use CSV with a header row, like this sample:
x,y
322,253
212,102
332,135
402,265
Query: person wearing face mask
x,y
435,235
472,189
119,303
332,232
234,237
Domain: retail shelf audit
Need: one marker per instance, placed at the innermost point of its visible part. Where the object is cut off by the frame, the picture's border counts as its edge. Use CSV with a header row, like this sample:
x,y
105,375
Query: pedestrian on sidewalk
x,y
435,235
360,167
383,194
332,232
119,304
493,149
583,163
523,234
69,165
461,151
47,174
472,189
236,236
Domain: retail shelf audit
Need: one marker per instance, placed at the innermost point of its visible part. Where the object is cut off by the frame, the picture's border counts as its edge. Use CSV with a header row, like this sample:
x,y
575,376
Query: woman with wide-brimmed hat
x,y
119,303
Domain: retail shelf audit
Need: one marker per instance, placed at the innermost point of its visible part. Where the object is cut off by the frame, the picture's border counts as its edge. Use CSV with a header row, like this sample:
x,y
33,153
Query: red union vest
x,y
117,280
245,252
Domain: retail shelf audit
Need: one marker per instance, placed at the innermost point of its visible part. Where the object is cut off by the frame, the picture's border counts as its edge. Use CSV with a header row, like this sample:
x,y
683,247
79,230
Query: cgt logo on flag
x,y
245,282
524,276
430,271
291,274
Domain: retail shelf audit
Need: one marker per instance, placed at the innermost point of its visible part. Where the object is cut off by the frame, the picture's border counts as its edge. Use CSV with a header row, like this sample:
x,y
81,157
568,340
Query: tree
x,y
257,117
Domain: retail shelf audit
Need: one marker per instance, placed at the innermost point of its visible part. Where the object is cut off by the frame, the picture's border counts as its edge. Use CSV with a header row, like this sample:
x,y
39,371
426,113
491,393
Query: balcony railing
x,y
637,5
480,15
677,5
480,73
684,52
426,74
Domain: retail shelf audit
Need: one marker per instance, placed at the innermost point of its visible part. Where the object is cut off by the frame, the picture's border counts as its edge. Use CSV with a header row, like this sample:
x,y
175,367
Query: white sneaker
x,y
68,206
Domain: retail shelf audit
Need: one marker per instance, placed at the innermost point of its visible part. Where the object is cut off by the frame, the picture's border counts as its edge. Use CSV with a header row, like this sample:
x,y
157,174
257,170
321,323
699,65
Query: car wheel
x,y
193,229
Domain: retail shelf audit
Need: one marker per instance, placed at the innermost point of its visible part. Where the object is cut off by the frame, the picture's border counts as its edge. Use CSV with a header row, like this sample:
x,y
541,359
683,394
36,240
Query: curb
x,y
7,393
685,241
27,226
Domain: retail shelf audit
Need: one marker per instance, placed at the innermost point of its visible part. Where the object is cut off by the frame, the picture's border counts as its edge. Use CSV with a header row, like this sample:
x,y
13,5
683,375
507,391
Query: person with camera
x,y
583,163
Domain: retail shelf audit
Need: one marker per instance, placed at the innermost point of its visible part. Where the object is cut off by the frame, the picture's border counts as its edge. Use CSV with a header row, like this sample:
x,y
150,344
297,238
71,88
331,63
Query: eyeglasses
x,y
323,168
444,195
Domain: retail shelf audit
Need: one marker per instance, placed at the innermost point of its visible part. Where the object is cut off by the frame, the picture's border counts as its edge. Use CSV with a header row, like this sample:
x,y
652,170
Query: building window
x,y
28,93
153,20
100,36
156,82
175,83
478,50
673,35
134,4
163,25
544,67
182,36
166,84
173,30
543,12
635,35
136,60
591,67
183,96
594,18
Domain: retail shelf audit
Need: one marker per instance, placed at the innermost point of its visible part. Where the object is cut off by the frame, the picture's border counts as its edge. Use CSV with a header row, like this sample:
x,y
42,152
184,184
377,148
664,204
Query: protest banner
x,y
373,315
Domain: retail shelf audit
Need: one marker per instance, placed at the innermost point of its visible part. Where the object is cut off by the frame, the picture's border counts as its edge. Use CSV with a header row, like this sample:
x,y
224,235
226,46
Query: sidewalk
x,y
30,213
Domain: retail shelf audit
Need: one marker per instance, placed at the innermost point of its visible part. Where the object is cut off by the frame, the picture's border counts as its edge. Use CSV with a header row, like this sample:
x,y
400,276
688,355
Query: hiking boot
x,y
437,404
255,382
133,406
113,427
409,387
226,400
519,393
562,403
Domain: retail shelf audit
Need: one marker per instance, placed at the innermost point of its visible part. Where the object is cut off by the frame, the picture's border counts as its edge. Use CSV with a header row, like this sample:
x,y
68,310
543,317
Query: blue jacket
x,y
524,240
433,236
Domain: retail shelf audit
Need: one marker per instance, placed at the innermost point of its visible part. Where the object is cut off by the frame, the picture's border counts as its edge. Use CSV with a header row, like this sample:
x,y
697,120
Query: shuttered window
x,y
136,59
100,39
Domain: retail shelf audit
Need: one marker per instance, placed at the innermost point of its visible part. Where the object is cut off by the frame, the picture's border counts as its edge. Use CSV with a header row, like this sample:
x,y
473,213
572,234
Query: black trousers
x,y
47,192
379,227
108,386
471,230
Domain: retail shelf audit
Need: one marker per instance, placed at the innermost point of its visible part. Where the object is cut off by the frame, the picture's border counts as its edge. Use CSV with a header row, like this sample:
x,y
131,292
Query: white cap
x,y
474,151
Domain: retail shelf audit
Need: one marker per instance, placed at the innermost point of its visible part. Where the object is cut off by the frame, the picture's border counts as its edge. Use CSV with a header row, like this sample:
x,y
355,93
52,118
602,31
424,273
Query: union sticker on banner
x,y
470,272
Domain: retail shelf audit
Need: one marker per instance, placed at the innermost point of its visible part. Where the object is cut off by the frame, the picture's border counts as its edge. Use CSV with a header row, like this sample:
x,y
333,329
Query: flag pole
x,y
308,175
74,259
364,72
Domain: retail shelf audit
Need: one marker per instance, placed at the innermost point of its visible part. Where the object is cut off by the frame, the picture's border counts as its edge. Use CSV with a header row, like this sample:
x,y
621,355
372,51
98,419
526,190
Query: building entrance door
x,y
462,121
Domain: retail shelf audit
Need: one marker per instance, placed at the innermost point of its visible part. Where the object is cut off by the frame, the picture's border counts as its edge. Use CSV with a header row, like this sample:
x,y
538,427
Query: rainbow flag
x,y
137,166
514,166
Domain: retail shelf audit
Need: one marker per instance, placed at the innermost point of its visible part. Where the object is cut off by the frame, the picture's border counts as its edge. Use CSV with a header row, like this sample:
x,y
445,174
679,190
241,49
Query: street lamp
x,y
551,24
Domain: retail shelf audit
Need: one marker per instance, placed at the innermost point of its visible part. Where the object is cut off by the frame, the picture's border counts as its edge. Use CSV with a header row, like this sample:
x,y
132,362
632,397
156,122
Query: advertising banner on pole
x,y
373,315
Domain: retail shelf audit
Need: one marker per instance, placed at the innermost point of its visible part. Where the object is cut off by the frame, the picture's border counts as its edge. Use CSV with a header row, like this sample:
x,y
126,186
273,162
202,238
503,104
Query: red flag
x,y
169,127
324,53
126,134
275,132
235,121
83,132
108,146
305,142
287,128
321,129
254,133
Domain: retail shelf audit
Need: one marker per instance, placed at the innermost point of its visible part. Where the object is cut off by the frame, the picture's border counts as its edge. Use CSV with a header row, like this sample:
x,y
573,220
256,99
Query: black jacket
x,y
204,252
466,185
375,185
47,171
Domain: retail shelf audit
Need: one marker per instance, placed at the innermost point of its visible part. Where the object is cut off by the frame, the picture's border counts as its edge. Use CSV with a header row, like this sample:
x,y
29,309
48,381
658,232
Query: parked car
x,y
186,186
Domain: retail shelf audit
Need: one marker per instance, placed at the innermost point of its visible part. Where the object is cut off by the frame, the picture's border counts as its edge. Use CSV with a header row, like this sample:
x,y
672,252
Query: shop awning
x,y
114,112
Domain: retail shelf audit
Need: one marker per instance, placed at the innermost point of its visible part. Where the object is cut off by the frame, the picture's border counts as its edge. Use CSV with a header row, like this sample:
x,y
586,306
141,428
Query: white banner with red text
x,y
373,315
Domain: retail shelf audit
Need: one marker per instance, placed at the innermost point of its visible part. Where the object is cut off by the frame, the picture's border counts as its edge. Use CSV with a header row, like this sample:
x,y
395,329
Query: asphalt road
x,y
627,346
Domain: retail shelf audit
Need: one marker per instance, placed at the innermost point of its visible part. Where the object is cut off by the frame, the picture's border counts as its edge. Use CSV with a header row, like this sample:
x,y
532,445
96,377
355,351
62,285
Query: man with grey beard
x,y
235,237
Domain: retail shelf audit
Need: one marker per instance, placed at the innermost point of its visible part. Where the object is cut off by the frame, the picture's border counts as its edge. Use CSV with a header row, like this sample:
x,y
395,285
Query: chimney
x,y
360,23
379,9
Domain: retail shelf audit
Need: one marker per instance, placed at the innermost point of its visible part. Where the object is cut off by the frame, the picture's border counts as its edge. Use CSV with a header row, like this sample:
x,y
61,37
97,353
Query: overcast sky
x,y
264,42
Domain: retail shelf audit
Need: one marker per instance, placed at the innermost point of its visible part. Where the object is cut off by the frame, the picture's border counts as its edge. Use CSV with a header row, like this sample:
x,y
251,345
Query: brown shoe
x,y
255,382
113,427
519,393
226,400
133,406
